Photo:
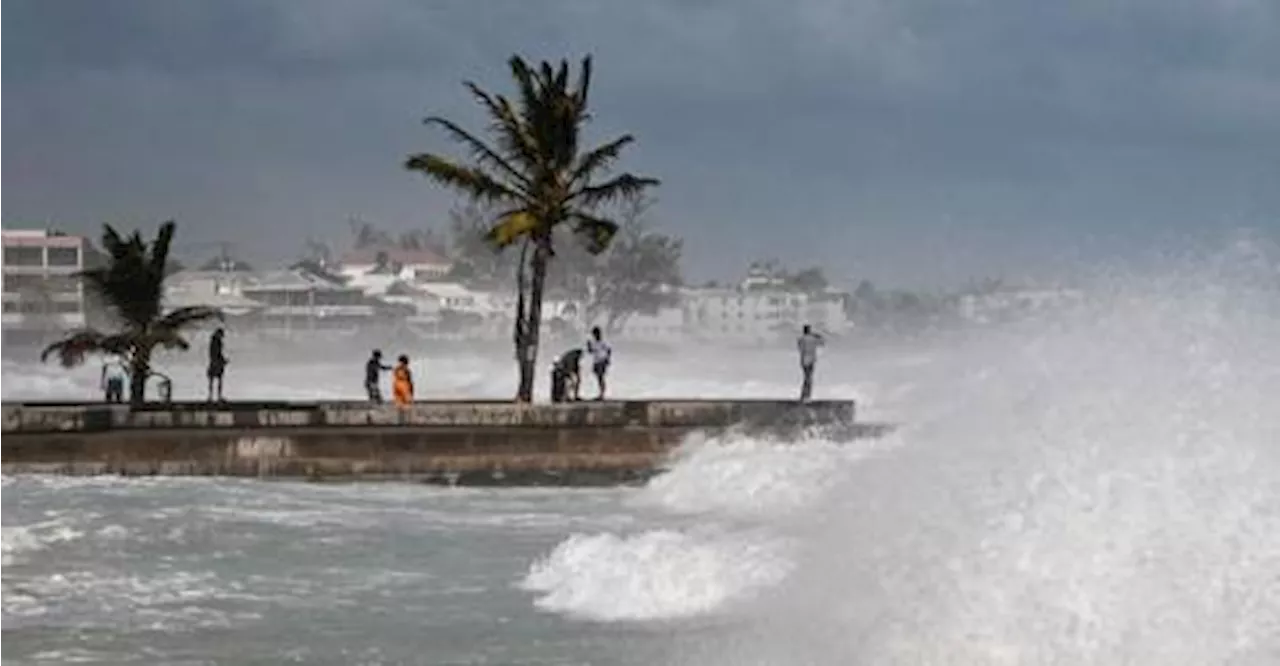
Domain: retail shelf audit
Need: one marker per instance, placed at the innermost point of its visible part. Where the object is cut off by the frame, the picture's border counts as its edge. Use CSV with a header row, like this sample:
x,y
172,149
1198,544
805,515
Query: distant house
x,y
410,265
302,295
225,264
214,288
296,295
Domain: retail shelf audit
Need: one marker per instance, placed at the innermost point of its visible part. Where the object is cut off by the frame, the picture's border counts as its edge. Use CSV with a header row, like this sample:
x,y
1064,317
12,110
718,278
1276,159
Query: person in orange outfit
x,y
402,383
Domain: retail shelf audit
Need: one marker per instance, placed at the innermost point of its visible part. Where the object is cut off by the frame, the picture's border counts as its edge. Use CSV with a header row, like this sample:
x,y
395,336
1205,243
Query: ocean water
x,y
1098,486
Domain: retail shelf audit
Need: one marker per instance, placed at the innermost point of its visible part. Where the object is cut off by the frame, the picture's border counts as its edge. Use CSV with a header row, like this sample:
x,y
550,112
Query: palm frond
x,y
95,279
160,248
600,159
112,243
483,154
584,82
73,349
182,317
525,82
131,283
513,137
169,338
594,232
473,181
511,227
624,186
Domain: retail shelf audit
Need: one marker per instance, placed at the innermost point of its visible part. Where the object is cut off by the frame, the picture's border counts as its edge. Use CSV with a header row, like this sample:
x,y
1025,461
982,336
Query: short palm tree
x,y
131,286
539,178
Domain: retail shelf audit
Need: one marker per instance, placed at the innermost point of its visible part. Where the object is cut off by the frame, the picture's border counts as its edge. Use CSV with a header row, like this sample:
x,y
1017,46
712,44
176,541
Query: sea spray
x,y
738,488
748,477
654,575
1096,487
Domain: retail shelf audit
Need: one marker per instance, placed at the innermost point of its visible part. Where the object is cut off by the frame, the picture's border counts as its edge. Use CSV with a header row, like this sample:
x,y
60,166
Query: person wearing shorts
x,y
601,355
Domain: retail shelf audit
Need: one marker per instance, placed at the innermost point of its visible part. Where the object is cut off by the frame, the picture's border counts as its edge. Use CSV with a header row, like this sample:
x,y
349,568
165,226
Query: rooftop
x,y
41,237
369,257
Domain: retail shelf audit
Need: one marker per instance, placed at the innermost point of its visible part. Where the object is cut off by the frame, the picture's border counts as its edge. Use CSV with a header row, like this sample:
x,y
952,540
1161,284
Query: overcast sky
x,y
908,141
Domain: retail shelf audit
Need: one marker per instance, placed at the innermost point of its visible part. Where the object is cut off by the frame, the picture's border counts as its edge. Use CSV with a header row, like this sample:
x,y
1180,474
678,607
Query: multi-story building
x,y
41,289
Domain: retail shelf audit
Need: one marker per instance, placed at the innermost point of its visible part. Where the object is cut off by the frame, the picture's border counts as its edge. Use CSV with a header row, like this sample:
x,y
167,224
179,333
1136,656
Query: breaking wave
x,y
1093,486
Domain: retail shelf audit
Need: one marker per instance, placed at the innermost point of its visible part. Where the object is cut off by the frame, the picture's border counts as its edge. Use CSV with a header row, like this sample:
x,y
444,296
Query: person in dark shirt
x,y
566,376
217,363
373,370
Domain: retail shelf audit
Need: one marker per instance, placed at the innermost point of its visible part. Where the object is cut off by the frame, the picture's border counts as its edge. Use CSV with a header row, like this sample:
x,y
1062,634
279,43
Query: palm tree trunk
x,y
528,350
517,329
139,370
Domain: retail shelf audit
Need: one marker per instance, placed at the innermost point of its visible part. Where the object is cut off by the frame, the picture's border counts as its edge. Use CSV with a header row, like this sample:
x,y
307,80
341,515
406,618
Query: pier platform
x,y
450,442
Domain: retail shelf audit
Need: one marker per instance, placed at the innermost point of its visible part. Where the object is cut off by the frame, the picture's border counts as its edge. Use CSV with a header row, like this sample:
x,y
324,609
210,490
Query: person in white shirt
x,y
601,354
113,379
808,344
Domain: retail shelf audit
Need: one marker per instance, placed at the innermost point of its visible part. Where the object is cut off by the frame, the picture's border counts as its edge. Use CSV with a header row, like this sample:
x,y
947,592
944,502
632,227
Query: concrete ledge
x,y
437,442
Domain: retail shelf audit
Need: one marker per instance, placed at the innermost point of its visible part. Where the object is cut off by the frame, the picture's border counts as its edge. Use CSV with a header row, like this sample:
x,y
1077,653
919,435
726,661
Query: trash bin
x,y
558,381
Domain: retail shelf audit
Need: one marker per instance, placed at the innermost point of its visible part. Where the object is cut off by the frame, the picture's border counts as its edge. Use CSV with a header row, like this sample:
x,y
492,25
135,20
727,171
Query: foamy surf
x,y
1097,487
654,575
746,477
739,488
21,541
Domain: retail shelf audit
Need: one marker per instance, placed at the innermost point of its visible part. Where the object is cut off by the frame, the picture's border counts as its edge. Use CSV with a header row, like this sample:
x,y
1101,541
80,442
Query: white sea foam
x,y
745,477
1095,488
661,574
20,541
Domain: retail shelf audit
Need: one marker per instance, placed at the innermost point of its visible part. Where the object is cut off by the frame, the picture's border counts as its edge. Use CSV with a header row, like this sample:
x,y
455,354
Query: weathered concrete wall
x,y
37,417
452,442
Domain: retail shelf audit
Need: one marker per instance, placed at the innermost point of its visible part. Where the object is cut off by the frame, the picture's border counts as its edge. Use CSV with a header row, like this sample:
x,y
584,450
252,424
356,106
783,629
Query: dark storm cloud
x,y
907,140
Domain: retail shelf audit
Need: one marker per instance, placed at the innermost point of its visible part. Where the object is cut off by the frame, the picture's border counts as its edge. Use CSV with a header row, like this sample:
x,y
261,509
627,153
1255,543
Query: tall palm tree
x,y
536,174
131,286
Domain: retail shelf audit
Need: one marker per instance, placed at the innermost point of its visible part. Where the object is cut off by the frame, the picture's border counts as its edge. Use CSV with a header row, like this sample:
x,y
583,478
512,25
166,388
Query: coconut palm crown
x,y
538,175
131,287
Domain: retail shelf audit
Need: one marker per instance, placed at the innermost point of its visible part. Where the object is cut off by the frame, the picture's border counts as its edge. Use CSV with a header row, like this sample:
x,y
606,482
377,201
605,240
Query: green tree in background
x,y
638,274
475,260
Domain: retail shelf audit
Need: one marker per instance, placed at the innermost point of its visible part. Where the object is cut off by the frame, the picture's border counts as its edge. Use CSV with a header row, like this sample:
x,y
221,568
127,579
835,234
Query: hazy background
x,y
908,142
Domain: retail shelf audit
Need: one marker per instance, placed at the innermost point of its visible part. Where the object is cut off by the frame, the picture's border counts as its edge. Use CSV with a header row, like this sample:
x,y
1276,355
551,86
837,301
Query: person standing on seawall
x,y
402,383
217,363
808,344
601,354
373,370
113,377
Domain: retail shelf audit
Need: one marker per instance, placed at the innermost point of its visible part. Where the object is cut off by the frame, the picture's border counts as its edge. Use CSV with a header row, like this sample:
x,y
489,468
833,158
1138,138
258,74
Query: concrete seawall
x,y
462,442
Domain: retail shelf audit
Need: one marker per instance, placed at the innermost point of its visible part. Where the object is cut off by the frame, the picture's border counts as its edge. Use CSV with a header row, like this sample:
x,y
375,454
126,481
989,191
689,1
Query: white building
x,y
825,312
484,313
219,289
283,298
741,315
41,290
408,265
665,325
